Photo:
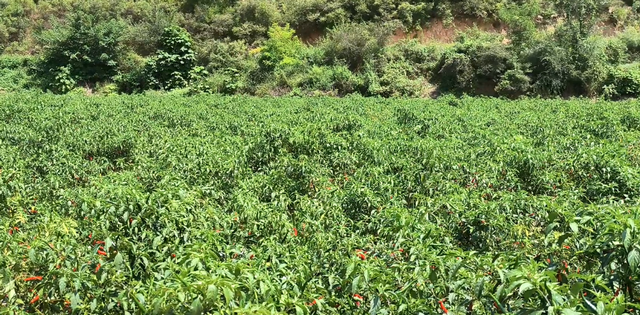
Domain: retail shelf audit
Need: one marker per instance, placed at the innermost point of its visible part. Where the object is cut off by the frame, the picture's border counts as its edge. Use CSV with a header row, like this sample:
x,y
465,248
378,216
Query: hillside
x,y
323,47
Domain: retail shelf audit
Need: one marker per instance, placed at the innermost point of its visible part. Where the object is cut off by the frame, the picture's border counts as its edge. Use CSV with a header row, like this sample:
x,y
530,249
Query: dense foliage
x,y
239,205
545,48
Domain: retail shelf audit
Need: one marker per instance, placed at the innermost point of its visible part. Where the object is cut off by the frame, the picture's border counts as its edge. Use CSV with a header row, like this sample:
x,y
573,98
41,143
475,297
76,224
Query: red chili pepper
x,y
35,299
566,247
99,242
295,232
173,255
102,253
98,268
444,309
90,235
362,256
358,297
38,278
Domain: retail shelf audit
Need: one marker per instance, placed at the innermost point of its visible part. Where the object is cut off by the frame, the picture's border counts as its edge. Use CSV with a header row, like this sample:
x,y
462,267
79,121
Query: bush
x,y
218,55
354,44
230,65
170,68
475,65
131,77
395,79
333,79
422,58
281,49
623,82
616,51
14,74
144,37
253,19
631,39
593,61
88,51
520,19
551,68
514,83
15,22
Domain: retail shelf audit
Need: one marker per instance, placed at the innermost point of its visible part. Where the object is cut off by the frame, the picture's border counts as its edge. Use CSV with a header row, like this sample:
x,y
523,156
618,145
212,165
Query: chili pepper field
x,y
161,204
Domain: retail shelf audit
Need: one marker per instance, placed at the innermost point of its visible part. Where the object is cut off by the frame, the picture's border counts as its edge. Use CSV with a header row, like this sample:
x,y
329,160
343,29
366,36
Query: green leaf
x,y
118,260
140,298
196,307
62,284
576,288
354,284
550,228
228,294
525,287
600,308
634,259
570,311
626,239
479,289
574,227
375,306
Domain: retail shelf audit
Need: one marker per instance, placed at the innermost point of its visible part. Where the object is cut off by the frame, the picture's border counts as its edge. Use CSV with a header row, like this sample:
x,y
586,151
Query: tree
x,y
87,51
170,68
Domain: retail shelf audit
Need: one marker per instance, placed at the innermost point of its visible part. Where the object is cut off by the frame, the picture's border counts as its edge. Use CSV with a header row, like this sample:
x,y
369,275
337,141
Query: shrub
x,y
623,81
15,22
253,19
338,79
520,19
422,58
631,39
144,37
131,77
312,15
454,72
616,51
218,55
475,65
88,51
354,44
396,79
593,60
551,68
514,83
171,66
14,74
281,49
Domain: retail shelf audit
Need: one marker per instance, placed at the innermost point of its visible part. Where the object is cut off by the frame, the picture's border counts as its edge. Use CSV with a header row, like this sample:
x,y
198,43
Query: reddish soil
x,y
438,31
